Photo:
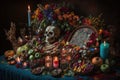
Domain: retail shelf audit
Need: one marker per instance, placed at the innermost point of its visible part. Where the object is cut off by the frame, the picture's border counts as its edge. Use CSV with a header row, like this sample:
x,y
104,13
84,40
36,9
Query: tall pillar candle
x,y
29,16
104,50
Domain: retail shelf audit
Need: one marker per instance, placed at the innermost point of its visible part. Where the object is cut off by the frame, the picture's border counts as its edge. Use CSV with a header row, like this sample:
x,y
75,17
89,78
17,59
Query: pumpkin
x,y
97,61
9,53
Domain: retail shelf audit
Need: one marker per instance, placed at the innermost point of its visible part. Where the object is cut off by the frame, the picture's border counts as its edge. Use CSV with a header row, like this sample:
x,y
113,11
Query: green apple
x,y
21,49
104,67
30,51
37,55
31,57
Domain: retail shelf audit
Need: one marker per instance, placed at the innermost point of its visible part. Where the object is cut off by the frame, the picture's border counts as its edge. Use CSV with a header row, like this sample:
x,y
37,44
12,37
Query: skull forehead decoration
x,y
51,34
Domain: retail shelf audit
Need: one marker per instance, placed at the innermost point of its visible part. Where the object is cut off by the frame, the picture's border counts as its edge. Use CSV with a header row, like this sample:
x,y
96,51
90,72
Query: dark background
x,y
16,11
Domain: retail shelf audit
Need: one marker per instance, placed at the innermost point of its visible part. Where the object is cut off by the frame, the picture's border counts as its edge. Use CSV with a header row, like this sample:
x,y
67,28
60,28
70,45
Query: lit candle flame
x,y
48,58
18,59
56,58
28,7
67,43
24,64
47,64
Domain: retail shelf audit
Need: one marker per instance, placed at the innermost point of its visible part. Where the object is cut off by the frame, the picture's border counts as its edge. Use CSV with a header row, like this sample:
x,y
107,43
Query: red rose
x,y
106,33
40,17
86,21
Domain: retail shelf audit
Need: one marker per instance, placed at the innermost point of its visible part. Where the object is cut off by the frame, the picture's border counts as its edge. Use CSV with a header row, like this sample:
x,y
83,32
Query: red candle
x,y
55,62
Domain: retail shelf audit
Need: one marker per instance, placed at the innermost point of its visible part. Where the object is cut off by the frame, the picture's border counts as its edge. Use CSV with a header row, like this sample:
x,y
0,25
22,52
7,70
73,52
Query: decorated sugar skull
x,y
51,34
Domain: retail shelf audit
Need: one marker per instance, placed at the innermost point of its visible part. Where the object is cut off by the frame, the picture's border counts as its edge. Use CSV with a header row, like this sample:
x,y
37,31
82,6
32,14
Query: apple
x,y
21,49
30,51
31,57
37,55
104,67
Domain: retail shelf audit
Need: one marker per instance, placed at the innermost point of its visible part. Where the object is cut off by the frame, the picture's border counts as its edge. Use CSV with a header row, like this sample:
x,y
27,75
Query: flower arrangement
x,y
56,15
65,19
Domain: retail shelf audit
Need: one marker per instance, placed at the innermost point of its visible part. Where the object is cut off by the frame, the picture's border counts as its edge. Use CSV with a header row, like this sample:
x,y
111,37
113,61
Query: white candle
x,y
29,16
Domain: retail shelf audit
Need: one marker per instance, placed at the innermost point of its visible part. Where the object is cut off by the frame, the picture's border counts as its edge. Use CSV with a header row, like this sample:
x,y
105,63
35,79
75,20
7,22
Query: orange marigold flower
x,y
76,17
65,16
70,18
37,12
57,11
33,16
72,14
60,17
72,23
100,31
47,6
87,21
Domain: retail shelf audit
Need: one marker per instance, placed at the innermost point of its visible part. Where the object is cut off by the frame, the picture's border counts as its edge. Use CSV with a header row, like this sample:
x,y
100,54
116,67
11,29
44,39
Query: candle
x,y
24,64
104,50
18,60
29,16
48,65
18,64
48,61
55,62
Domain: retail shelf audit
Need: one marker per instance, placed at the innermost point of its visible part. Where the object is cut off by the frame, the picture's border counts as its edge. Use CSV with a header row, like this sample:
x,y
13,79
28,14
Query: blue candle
x,y
104,50
29,16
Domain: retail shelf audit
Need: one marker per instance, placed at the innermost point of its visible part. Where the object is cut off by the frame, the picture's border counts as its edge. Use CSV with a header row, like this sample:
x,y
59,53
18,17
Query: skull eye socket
x,y
51,33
